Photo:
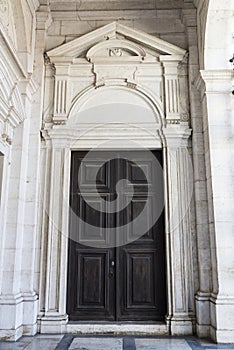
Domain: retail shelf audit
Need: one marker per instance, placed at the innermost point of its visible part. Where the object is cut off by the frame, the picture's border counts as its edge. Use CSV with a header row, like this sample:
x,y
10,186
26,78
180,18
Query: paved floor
x,y
75,342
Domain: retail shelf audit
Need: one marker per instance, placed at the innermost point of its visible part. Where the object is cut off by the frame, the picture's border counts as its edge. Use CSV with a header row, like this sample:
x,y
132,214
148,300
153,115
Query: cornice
x,y
110,31
221,75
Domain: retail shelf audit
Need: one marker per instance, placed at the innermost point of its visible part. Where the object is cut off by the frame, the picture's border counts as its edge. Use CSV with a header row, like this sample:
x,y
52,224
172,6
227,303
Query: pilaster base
x,y
182,326
18,316
52,324
222,319
11,315
30,310
11,334
203,314
203,331
222,336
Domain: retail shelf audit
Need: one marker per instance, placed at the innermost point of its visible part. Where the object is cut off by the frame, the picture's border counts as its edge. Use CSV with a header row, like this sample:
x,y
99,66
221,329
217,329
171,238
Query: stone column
x,y
53,317
219,121
179,195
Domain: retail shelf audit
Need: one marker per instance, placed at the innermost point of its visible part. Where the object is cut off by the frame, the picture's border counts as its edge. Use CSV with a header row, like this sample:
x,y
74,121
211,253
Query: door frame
x,y
174,140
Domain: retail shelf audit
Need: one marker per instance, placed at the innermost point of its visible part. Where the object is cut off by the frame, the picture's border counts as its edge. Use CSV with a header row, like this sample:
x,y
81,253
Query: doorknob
x,y
111,274
112,263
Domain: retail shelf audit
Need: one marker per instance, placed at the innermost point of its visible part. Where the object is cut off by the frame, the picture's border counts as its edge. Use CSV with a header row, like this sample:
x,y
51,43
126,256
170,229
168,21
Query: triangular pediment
x,y
115,40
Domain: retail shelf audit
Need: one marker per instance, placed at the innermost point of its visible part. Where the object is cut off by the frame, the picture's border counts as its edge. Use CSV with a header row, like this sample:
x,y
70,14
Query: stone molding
x,y
16,86
138,54
77,74
110,31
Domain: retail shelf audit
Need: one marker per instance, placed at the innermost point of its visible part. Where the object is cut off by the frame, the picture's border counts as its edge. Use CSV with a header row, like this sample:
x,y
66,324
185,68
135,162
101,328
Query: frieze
x,y
131,85
173,121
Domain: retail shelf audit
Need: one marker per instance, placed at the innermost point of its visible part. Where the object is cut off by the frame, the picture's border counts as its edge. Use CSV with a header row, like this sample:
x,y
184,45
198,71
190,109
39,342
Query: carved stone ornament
x,y
60,122
3,6
173,121
6,138
184,117
4,11
131,85
116,52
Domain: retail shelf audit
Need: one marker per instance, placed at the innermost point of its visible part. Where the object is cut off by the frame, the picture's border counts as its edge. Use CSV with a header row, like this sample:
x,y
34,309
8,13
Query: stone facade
x,y
57,60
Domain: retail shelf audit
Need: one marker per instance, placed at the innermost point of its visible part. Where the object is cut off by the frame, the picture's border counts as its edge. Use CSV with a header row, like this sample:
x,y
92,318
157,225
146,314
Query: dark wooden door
x,y
125,283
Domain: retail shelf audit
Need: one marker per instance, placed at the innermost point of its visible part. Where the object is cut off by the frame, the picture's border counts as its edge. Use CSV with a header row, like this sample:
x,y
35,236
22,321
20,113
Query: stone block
x,y
116,5
200,191
64,15
199,167
202,212
125,22
54,41
193,55
198,143
159,25
115,15
172,13
77,27
63,6
54,28
178,39
169,4
203,311
197,124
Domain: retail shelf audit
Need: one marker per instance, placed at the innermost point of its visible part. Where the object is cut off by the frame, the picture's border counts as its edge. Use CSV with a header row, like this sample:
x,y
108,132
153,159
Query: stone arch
x,y
217,110
24,23
218,42
139,96
132,109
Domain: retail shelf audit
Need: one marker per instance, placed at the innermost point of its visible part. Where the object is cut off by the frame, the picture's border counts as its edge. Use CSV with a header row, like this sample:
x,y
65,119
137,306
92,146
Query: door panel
x,y
90,290
125,283
142,284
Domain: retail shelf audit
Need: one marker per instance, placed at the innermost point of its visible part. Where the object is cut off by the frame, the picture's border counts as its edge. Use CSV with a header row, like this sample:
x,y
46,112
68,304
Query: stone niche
x,y
116,83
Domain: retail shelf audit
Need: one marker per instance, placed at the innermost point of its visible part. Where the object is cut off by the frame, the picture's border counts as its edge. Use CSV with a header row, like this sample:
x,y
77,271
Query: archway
x,y
218,105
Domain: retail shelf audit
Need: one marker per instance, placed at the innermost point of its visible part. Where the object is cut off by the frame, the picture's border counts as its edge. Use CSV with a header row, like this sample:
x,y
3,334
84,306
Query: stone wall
x,y
164,19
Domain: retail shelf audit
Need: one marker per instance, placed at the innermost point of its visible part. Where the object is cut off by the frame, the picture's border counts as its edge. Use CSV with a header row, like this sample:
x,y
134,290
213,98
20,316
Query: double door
x,y
110,279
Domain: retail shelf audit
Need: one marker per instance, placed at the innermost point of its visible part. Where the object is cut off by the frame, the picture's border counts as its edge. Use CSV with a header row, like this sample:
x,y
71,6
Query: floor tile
x,y
161,344
96,344
44,343
19,345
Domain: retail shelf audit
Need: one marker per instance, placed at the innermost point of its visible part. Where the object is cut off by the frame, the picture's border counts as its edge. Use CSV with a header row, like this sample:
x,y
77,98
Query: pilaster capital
x,y
218,81
170,63
177,136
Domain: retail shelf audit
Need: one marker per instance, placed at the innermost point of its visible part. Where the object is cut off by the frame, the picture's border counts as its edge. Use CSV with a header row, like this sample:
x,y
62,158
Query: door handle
x,y
111,274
